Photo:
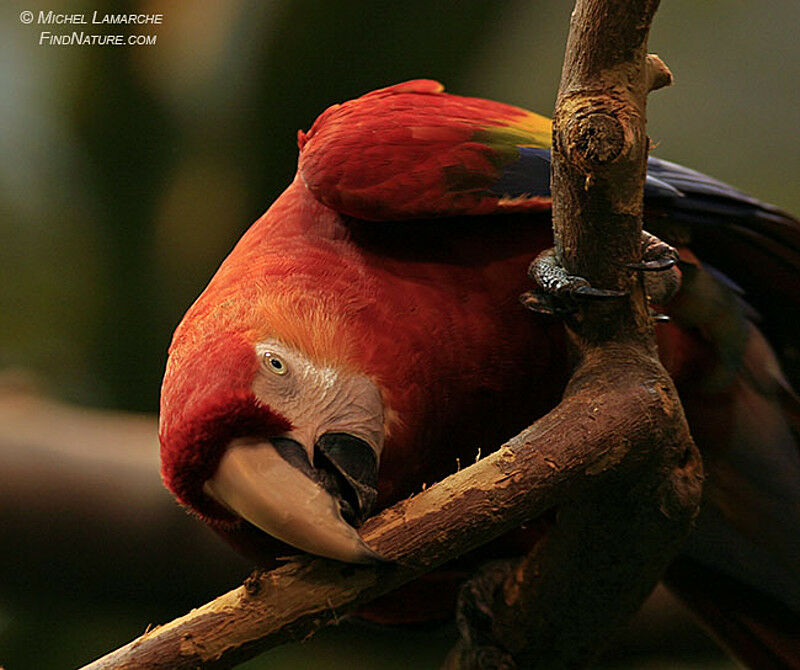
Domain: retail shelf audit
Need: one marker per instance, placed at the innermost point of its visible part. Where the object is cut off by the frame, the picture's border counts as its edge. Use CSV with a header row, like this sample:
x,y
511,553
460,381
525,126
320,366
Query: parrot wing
x,y
754,244
411,151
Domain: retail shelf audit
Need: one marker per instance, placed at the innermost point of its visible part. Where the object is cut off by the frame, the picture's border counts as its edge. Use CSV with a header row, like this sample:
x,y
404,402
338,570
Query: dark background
x,y
127,173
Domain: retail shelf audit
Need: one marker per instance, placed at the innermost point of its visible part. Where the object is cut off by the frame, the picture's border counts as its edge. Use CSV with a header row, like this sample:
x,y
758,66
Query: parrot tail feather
x,y
753,243
757,629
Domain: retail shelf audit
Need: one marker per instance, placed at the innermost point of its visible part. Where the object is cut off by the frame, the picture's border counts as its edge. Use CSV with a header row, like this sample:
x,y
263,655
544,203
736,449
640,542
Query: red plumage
x,y
425,304
207,402
411,152
342,291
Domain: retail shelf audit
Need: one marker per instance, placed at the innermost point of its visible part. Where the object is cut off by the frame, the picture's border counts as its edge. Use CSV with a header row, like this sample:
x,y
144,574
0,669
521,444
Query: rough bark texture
x,y
615,457
619,524
600,151
617,532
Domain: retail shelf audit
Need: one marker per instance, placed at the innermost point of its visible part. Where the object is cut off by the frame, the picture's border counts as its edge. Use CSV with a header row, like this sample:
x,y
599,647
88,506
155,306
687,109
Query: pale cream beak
x,y
255,482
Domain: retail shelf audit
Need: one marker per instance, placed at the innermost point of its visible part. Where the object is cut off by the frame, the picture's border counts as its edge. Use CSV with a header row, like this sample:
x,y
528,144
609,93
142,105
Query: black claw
x,y
560,293
658,265
591,293
538,302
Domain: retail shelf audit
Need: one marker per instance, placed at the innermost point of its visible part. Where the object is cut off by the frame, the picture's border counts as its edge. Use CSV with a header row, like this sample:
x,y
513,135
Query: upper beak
x,y
271,484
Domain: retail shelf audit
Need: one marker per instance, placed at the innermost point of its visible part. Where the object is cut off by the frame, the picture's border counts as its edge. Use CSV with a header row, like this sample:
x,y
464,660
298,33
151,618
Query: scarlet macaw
x,y
366,333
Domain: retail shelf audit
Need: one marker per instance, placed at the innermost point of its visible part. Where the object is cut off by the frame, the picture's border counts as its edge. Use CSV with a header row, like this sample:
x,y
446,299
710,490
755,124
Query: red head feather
x,y
206,401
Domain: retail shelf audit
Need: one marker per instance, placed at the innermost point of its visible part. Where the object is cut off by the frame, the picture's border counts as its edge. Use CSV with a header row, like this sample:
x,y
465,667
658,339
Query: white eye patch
x,y
317,398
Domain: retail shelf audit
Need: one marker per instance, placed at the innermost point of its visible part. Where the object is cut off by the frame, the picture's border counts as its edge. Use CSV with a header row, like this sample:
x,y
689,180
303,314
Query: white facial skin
x,y
318,399
256,483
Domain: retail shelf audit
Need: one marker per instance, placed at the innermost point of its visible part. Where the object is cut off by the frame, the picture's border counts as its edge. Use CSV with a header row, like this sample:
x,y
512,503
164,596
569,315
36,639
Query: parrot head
x,y
254,427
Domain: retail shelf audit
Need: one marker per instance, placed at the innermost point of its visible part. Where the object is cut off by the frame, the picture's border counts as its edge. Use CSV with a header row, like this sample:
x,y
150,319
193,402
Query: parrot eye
x,y
274,363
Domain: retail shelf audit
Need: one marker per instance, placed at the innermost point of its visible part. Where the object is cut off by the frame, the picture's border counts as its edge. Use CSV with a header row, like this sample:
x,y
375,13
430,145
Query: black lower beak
x,y
348,468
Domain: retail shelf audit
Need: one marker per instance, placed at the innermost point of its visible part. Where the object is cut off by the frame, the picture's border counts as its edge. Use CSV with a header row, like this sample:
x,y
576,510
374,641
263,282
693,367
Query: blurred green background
x,y
127,173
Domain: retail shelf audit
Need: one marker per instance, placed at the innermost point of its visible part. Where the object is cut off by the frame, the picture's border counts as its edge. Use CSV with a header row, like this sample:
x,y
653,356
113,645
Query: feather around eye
x,y
274,363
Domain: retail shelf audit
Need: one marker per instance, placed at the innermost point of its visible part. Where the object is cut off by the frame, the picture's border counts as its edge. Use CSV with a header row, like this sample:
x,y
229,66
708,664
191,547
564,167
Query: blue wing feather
x,y
527,176
667,183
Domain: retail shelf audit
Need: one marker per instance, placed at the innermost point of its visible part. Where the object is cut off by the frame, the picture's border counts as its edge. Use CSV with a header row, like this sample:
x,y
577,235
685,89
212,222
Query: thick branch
x,y
529,475
559,606
599,158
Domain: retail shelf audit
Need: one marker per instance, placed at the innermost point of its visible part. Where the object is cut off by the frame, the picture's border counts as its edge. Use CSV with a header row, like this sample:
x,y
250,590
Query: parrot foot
x,y
659,261
560,293
657,255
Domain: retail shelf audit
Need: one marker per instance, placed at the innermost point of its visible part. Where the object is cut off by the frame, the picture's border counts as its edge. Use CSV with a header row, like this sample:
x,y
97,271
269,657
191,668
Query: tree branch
x,y
615,457
559,606
535,471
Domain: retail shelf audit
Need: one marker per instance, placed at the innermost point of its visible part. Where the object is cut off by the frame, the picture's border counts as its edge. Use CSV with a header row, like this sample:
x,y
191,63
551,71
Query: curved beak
x,y
271,484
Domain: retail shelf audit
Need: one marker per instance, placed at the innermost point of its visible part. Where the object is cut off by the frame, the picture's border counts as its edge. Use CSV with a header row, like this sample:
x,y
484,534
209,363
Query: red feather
x,y
411,151
206,401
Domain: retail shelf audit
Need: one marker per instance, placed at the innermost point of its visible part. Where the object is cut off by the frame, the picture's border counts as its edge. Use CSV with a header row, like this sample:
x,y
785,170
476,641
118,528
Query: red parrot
x,y
365,335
